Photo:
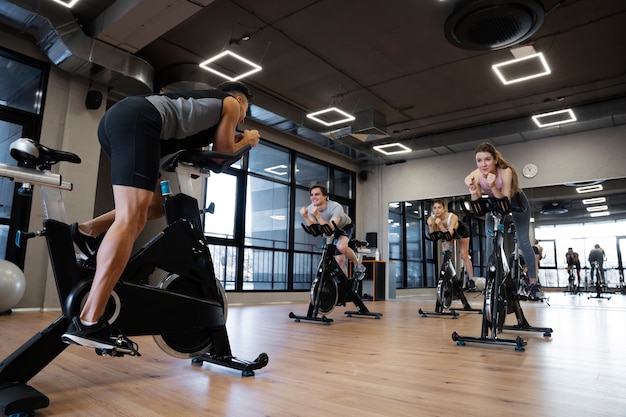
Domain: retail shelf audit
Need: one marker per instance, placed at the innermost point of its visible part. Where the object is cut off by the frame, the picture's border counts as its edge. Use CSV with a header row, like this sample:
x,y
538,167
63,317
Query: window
x,y
22,86
22,83
310,173
255,236
267,214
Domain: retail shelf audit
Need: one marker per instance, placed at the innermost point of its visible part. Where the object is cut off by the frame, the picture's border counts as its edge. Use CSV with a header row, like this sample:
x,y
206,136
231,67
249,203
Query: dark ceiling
x,y
395,65
416,72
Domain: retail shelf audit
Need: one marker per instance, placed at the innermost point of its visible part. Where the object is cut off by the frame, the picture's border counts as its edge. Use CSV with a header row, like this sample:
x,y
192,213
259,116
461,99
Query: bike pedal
x,y
126,346
123,346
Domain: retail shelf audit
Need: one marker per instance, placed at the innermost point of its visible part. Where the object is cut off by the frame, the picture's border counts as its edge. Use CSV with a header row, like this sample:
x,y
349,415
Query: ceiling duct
x,y
369,125
66,45
487,25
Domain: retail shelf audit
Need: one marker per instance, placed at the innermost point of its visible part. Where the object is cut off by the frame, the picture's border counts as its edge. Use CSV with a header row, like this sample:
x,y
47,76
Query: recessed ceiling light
x,y
600,214
589,189
554,118
392,149
229,65
596,200
331,116
522,69
597,208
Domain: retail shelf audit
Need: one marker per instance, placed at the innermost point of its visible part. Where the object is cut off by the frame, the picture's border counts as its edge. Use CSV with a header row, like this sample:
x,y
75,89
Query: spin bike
x,y
185,313
500,291
572,285
331,287
600,287
449,286
519,275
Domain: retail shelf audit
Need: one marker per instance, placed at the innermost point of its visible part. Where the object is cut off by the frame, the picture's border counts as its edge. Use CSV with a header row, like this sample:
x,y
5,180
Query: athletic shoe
x,y
359,272
85,243
471,286
535,293
97,335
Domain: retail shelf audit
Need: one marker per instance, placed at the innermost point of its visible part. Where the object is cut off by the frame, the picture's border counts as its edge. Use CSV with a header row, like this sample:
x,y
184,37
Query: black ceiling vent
x,y
488,25
554,208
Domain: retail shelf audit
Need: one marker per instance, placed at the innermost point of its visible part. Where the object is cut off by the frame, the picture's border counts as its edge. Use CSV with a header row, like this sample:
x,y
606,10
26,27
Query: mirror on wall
x,y
577,215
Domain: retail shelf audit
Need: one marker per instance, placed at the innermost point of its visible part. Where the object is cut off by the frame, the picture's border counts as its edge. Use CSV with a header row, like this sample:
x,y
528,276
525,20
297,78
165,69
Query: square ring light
x,y
67,3
522,69
392,149
554,118
339,116
221,61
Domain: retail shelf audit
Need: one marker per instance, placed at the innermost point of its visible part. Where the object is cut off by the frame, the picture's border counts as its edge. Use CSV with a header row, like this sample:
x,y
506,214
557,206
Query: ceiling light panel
x,y
600,214
230,66
597,208
392,149
589,188
331,116
554,118
67,3
522,69
597,200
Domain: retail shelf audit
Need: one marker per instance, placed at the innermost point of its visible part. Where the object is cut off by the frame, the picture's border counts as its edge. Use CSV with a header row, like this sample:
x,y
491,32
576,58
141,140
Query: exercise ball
x,y
480,283
12,285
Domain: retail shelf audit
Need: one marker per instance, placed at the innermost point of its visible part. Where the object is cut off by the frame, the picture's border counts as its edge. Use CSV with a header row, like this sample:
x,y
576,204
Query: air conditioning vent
x,y
487,25
554,208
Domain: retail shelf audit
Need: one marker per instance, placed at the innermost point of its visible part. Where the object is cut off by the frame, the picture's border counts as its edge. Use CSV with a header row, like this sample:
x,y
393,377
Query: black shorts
x,y
462,230
129,135
348,230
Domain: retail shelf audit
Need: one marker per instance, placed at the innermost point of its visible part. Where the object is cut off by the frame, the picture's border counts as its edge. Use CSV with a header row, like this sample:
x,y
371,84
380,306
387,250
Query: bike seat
x,y
204,160
32,153
355,244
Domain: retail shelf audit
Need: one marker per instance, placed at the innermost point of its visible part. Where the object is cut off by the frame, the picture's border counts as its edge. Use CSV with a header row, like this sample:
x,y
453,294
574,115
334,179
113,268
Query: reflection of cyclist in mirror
x,y
495,177
443,221
597,255
573,261
538,249
324,211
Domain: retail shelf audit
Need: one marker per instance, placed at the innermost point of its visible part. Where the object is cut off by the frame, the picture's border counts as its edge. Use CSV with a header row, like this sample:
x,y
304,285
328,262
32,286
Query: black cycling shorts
x,y
129,135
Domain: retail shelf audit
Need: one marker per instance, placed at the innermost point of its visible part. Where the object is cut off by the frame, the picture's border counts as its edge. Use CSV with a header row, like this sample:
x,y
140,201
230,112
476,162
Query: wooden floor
x,y
400,365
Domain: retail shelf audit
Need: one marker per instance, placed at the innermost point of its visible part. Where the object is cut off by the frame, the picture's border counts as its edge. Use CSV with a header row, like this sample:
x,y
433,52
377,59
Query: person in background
x,y
597,255
538,249
324,211
495,177
573,260
135,133
444,221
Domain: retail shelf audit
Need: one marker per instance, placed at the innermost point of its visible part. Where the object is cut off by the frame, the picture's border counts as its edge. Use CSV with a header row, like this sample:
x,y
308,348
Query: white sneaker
x,y
359,272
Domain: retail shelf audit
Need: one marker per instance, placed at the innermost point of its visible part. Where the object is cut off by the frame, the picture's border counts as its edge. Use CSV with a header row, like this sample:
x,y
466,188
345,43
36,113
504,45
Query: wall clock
x,y
529,170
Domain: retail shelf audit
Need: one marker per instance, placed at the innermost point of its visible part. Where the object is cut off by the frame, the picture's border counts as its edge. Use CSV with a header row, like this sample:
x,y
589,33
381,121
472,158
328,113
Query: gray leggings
x,y
521,219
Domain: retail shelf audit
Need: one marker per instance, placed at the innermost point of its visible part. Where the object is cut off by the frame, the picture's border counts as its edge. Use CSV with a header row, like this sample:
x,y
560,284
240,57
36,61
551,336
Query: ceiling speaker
x,y
363,175
93,100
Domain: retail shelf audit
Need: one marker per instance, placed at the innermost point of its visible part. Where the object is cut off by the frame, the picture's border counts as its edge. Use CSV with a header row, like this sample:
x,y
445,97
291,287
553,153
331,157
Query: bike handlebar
x,y
496,205
447,236
204,160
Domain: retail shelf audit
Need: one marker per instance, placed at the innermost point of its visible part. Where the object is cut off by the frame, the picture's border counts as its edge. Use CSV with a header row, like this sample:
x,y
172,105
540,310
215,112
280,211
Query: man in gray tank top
x,y
135,133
